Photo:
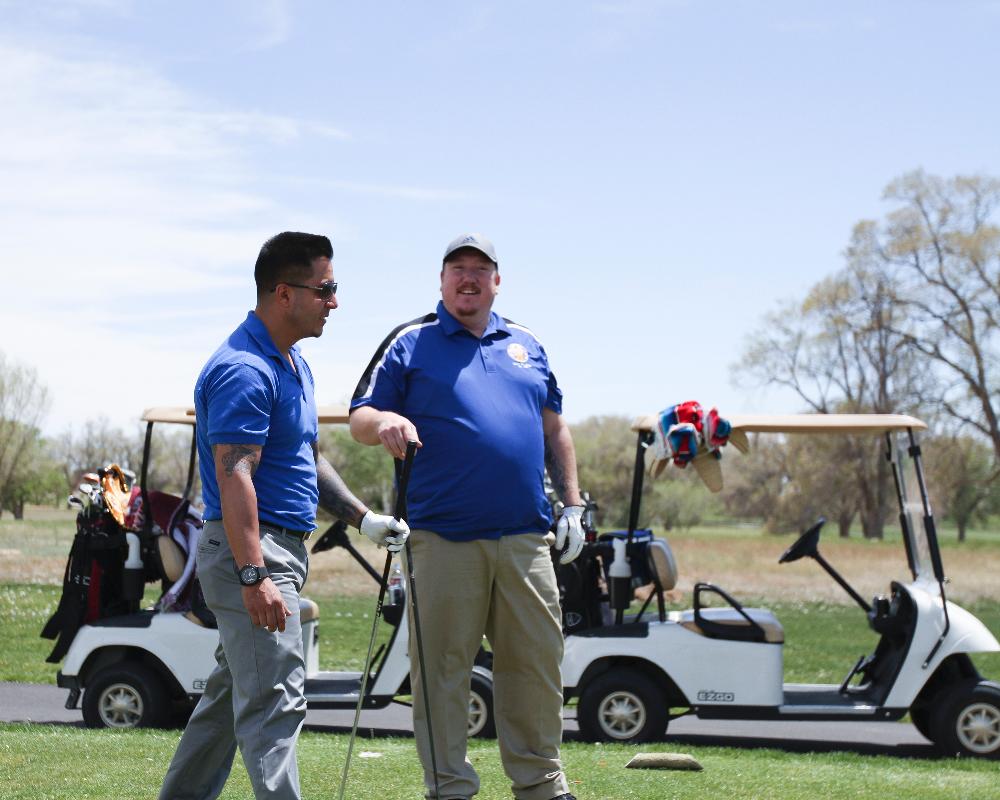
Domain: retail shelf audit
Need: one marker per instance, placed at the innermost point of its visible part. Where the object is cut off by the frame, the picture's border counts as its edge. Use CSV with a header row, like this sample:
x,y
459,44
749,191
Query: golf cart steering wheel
x,y
806,545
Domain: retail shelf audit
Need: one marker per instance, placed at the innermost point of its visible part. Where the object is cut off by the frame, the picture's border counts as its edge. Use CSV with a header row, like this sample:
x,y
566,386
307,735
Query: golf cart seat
x,y
172,558
308,610
734,623
723,618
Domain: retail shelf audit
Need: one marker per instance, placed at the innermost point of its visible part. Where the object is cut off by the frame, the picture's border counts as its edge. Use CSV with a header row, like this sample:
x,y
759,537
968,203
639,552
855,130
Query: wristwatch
x,y
251,574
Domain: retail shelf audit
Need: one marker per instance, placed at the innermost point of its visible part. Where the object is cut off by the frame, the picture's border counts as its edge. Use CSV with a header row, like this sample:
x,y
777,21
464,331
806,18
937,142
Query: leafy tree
x,y
23,404
838,351
367,471
962,480
95,444
754,482
676,500
605,455
39,479
942,244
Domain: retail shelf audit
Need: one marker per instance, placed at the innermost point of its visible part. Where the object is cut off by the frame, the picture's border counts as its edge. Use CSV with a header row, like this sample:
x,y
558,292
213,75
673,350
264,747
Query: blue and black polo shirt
x,y
248,393
477,406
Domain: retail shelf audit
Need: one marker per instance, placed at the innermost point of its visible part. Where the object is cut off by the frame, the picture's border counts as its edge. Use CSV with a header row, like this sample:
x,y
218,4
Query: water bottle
x,y
620,577
133,577
395,590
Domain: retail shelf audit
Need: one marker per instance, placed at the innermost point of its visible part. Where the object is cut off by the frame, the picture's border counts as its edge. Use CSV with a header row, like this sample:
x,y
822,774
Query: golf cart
x,y
145,667
725,662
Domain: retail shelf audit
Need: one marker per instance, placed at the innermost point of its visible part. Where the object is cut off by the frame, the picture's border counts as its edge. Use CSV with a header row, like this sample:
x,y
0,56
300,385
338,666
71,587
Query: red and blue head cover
x,y
683,431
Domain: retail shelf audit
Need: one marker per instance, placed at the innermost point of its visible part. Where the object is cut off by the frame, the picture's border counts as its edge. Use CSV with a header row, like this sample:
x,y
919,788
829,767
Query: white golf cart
x,y
726,662
134,667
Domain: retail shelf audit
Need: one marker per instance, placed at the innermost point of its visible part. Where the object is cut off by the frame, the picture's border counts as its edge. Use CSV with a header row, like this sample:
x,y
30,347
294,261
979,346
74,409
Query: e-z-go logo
x,y
712,696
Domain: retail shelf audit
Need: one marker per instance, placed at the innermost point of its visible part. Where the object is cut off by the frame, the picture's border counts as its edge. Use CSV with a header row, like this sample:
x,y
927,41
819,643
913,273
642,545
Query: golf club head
x,y
75,502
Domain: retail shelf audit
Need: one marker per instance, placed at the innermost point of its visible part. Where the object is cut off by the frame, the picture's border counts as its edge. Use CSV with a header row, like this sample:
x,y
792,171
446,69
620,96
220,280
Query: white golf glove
x,y
569,533
386,532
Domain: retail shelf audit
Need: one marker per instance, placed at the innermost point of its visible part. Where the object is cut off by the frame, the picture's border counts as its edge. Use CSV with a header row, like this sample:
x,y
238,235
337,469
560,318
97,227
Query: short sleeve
x,y
239,399
384,383
553,394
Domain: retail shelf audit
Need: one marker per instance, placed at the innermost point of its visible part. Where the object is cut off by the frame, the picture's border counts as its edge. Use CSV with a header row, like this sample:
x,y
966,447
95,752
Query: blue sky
x,y
655,175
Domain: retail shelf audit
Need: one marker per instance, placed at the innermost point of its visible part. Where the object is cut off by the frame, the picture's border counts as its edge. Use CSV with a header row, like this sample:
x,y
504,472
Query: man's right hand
x,y
394,431
266,605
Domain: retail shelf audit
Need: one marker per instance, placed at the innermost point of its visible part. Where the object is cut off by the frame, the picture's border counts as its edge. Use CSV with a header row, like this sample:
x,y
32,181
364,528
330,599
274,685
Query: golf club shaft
x,y
404,479
423,670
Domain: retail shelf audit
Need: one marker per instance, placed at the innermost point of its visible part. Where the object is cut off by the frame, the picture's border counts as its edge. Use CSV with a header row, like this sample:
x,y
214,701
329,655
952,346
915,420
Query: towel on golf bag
x,y
115,489
683,432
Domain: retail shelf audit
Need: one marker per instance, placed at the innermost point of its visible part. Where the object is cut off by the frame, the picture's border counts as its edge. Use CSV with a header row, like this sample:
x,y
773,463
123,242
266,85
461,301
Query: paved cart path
x,y
29,702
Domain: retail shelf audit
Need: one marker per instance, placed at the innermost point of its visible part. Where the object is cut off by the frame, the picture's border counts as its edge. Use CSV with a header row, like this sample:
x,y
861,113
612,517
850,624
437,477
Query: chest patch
x,y
518,354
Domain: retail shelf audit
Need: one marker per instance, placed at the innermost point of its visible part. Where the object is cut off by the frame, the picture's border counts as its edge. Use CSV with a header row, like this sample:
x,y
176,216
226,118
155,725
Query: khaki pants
x,y
505,588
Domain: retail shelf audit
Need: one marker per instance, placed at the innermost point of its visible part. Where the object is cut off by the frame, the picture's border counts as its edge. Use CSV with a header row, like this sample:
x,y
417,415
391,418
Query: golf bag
x,y
93,579
106,573
583,583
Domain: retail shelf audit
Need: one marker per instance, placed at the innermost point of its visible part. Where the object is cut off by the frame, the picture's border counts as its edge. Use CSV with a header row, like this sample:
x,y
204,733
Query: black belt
x,y
303,535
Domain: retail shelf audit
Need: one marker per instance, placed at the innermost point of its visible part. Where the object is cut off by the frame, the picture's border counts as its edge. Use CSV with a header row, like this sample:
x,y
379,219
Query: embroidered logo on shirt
x,y
517,354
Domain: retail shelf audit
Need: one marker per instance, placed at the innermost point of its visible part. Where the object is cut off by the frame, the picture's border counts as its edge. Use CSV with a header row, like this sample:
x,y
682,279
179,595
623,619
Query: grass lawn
x,y
67,762
345,626
824,637
822,641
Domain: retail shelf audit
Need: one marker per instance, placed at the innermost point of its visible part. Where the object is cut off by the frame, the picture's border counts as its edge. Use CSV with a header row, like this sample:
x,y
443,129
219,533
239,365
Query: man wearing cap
x,y
262,476
475,391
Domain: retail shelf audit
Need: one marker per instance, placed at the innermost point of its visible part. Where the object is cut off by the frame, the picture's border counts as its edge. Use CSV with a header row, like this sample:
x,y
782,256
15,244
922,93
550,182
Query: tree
x,y
605,455
753,482
962,480
23,404
95,444
839,350
367,471
943,244
38,479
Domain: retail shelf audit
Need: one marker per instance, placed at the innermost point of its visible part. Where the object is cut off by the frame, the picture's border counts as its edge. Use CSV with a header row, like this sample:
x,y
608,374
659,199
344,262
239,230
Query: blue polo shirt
x,y
248,393
477,405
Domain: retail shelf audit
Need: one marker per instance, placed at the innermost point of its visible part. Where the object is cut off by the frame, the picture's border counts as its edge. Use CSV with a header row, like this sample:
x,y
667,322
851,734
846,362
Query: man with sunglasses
x,y
262,477
475,390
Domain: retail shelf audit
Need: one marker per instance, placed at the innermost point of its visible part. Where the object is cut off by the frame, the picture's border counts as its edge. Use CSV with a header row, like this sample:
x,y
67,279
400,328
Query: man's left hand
x,y
569,533
386,532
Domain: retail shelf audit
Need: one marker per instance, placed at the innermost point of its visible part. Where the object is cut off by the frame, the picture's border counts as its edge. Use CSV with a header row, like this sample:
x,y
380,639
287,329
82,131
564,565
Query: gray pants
x,y
255,697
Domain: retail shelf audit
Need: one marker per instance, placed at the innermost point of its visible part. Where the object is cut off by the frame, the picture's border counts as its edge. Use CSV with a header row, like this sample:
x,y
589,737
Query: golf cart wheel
x,y
124,696
920,716
622,705
481,721
967,721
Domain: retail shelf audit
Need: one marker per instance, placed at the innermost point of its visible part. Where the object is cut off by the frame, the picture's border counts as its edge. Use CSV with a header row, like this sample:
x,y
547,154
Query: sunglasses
x,y
326,290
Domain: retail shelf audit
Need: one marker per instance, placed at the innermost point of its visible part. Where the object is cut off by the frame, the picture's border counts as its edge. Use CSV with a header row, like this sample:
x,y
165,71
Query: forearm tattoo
x,y
334,496
557,472
239,458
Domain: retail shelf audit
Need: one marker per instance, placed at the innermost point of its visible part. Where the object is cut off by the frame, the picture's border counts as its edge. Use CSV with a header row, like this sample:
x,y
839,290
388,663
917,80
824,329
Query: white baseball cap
x,y
474,240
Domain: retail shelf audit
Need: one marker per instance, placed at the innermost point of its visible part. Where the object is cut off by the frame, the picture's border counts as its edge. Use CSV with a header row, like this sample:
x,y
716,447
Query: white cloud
x,y
122,194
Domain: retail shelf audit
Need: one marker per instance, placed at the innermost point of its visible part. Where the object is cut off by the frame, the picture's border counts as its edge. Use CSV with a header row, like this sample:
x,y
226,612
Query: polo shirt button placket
x,y
487,361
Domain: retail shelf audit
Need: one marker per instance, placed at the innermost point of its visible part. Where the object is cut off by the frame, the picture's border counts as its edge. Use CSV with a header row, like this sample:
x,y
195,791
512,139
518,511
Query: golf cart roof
x,y
184,415
808,423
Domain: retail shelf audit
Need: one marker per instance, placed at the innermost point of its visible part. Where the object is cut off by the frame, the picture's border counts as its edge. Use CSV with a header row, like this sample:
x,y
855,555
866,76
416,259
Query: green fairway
x,y
67,762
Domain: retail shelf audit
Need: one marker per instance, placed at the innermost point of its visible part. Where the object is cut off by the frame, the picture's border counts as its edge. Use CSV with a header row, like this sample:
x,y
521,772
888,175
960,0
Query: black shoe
x,y
564,796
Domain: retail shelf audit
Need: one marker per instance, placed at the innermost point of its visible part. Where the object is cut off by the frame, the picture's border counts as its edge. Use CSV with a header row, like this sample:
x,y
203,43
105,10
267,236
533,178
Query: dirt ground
x,y
35,551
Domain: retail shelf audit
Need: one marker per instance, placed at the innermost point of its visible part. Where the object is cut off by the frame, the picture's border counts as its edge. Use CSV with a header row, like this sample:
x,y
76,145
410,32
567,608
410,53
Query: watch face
x,y
249,575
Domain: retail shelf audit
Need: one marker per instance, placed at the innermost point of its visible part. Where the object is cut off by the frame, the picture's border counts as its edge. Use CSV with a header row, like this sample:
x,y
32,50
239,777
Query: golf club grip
x,y
404,480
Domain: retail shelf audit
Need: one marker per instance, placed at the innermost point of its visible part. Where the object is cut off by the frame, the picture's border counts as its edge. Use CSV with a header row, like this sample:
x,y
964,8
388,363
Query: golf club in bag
x,y
400,513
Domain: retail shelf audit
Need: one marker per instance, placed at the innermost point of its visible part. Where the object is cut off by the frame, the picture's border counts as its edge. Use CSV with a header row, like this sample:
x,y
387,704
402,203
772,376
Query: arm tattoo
x,y
239,458
557,471
334,496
